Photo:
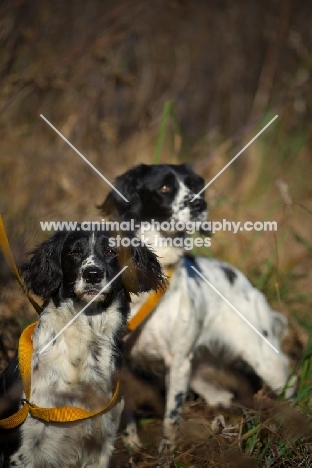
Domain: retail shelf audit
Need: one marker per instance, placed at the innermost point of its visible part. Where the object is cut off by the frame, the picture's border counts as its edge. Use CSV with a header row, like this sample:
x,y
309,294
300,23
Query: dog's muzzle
x,y
198,208
198,205
91,283
93,275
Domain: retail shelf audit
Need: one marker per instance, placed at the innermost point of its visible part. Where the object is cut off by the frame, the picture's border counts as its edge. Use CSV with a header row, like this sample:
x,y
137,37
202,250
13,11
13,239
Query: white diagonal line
x,y
235,157
82,310
235,310
83,157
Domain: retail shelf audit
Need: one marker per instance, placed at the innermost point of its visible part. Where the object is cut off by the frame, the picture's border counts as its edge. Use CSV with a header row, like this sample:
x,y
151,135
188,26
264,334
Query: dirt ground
x,y
204,440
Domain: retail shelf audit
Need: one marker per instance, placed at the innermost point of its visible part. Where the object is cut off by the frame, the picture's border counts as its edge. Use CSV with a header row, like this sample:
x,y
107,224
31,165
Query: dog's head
x,y
160,192
79,264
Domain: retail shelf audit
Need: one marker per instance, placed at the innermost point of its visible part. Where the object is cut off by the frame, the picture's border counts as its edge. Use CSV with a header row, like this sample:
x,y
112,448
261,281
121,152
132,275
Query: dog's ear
x,y
143,272
196,179
200,182
114,206
42,274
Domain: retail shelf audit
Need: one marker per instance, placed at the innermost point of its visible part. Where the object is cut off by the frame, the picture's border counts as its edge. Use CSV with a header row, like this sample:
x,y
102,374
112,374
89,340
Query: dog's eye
x,y
75,253
165,189
110,253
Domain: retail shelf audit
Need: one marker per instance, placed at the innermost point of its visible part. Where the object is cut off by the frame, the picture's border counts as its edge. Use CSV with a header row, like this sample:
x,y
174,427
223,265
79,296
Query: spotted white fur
x,y
192,324
182,205
76,375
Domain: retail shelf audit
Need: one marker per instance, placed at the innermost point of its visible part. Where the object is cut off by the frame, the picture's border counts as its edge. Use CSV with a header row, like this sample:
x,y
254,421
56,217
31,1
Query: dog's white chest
x,y
163,331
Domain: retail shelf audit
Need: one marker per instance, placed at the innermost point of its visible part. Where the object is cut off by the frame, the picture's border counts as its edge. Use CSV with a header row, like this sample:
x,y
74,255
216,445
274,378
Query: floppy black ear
x,y
128,184
200,182
194,177
42,274
144,272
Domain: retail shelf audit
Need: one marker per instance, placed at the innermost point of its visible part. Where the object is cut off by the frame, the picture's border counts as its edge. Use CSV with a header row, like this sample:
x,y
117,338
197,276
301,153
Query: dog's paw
x,y
222,398
166,446
131,439
212,395
166,452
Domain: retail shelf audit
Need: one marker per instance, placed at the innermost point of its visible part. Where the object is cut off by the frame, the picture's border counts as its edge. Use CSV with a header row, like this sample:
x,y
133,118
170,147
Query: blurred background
x,y
163,81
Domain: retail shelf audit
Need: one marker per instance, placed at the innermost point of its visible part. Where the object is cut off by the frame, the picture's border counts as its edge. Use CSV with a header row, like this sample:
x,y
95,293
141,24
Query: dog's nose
x,y
93,275
199,204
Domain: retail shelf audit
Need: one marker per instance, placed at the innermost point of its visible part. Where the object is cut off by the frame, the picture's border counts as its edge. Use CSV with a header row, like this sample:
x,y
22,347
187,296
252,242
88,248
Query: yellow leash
x,y
148,306
25,349
59,414
4,243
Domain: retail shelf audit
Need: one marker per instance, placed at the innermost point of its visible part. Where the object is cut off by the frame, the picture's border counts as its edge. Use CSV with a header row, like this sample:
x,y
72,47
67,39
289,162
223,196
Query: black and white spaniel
x,y
77,368
192,324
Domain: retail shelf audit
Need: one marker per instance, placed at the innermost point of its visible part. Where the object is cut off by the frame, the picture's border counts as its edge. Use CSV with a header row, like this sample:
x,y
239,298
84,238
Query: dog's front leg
x,y
130,434
22,458
177,386
178,363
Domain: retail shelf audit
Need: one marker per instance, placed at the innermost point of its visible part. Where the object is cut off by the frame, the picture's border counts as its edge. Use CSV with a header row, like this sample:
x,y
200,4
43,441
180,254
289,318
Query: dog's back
x,y
192,315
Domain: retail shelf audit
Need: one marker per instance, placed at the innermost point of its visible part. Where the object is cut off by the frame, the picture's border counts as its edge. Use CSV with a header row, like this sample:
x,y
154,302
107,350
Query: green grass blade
x,y
167,114
304,389
261,281
301,240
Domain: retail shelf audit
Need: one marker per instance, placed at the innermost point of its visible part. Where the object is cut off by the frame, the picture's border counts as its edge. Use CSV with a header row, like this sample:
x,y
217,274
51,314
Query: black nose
x,y
93,275
198,204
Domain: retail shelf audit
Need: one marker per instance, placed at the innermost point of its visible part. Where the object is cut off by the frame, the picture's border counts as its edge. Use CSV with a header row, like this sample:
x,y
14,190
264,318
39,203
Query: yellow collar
x,y
60,414
148,306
